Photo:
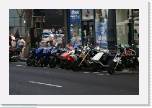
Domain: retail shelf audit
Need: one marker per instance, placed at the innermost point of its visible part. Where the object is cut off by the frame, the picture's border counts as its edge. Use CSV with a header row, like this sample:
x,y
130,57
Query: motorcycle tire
x,y
75,67
41,62
136,64
68,65
62,64
35,63
111,69
13,60
29,62
52,63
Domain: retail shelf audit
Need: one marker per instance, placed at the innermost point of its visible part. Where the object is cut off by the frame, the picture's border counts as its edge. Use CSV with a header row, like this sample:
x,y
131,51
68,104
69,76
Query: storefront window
x,y
122,26
101,27
88,26
75,34
136,26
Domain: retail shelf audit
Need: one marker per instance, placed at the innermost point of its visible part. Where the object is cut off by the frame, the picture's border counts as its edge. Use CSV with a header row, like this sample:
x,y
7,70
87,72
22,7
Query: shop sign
x,y
74,16
101,31
87,14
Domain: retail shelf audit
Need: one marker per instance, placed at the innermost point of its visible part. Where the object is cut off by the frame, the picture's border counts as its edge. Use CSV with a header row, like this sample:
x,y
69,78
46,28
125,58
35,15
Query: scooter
x,y
101,60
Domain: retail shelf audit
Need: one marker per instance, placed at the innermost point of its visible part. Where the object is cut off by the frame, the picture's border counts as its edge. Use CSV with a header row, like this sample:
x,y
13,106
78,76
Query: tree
x,y
20,13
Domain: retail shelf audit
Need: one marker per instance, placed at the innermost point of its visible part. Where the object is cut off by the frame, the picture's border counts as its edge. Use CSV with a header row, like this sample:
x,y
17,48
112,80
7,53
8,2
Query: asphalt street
x,y
25,80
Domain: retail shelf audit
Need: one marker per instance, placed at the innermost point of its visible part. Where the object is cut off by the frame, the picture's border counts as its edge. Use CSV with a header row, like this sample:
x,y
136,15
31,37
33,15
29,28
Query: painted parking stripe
x,y
34,82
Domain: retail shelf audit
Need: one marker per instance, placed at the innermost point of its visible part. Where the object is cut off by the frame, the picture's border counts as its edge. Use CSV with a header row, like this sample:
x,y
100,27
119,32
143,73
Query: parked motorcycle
x,y
67,58
125,58
31,58
84,58
54,57
13,54
101,60
35,57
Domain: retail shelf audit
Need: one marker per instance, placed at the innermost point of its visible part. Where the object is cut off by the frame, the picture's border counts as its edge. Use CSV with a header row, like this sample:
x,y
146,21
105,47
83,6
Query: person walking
x,y
21,46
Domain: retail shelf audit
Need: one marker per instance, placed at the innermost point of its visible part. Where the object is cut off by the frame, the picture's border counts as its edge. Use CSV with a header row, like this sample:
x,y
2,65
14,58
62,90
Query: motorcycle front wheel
x,y
29,62
52,62
75,66
112,68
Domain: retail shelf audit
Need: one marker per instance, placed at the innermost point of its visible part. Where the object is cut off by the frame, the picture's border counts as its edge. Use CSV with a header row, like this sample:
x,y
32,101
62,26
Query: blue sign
x,y
75,16
75,26
101,33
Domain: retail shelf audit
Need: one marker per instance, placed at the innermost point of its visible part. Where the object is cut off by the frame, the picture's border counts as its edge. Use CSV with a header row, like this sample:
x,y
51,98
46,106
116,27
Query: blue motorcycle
x,y
35,56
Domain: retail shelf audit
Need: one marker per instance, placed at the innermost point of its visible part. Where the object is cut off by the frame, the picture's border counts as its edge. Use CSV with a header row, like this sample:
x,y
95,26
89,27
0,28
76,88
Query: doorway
x,y
88,32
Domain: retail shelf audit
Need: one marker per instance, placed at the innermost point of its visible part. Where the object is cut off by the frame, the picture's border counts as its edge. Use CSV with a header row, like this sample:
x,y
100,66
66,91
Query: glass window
x,y
16,21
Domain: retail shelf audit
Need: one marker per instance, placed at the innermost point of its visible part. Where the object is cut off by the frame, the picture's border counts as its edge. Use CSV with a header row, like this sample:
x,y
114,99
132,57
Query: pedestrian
x,y
13,42
21,46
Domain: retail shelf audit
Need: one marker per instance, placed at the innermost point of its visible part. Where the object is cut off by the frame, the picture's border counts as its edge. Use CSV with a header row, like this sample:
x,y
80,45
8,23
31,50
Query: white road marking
x,y
86,72
100,74
96,72
19,65
34,82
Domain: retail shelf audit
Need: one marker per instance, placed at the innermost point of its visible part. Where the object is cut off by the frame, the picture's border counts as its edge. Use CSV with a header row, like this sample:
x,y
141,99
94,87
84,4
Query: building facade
x,y
103,27
17,22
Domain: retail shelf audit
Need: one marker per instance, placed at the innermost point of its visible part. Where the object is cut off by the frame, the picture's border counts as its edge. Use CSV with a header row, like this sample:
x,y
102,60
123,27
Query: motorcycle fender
x,y
98,56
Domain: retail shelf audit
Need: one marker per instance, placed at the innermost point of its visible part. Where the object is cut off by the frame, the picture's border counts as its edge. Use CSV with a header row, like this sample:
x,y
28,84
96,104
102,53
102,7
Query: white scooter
x,y
101,59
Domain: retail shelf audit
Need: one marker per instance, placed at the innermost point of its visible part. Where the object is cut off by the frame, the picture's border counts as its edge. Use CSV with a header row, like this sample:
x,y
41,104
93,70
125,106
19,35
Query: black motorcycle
x,y
31,60
84,56
125,58
14,54
36,57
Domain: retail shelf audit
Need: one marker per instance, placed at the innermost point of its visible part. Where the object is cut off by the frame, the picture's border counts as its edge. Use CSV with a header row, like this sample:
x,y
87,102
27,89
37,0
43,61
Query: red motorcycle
x,y
67,59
